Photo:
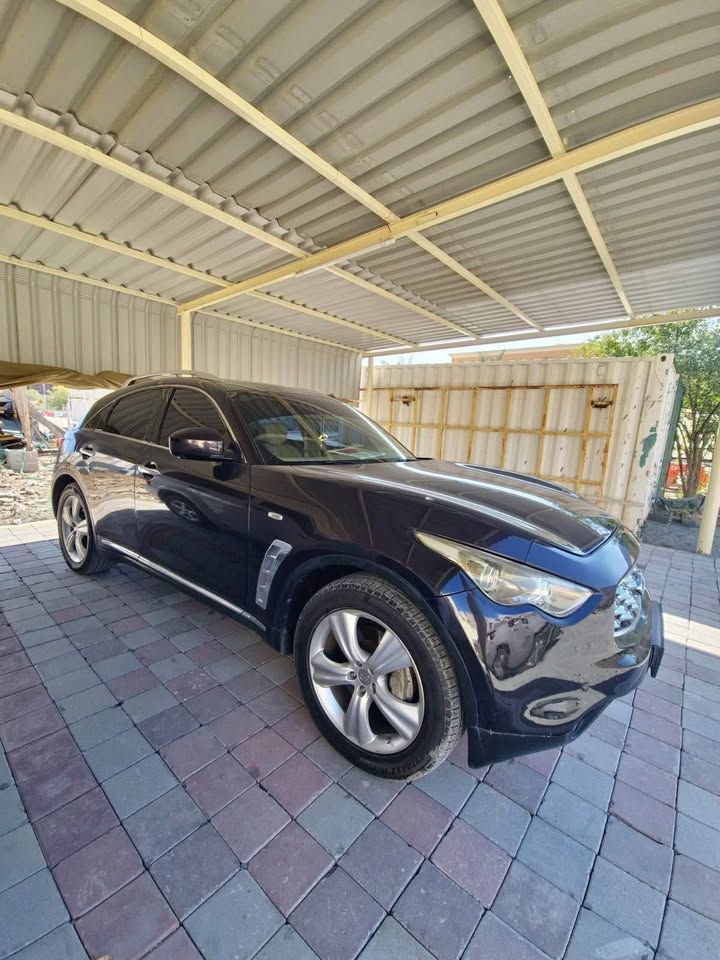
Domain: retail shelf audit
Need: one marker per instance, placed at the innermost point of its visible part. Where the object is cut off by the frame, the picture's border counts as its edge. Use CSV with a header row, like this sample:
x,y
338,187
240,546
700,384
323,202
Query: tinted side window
x,y
97,419
132,416
189,408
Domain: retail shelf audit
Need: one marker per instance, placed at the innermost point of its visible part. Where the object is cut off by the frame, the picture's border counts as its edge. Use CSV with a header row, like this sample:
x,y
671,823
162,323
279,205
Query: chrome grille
x,y
628,601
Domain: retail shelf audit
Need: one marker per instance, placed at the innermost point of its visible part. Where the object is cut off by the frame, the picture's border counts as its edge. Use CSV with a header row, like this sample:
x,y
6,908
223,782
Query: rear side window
x,y
98,415
133,415
189,408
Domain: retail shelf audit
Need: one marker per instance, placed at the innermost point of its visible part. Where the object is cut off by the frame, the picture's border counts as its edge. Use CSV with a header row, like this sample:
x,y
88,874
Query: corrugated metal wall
x,y
598,426
247,353
49,320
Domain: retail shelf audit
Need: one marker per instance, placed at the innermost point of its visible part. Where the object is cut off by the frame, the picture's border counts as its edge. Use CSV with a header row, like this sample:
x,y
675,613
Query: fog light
x,y
556,709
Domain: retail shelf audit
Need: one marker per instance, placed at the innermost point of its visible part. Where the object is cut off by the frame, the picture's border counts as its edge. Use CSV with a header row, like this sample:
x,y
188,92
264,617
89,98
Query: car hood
x,y
533,508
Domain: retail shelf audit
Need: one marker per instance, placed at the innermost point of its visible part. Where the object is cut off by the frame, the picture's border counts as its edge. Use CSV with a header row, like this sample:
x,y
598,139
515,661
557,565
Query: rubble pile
x,y
25,497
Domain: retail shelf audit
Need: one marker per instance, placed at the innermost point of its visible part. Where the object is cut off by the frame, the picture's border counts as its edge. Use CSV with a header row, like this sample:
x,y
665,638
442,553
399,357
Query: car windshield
x,y
315,430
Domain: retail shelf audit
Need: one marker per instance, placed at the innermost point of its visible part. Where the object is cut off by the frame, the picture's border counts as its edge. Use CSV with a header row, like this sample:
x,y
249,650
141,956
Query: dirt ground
x,y
677,536
26,497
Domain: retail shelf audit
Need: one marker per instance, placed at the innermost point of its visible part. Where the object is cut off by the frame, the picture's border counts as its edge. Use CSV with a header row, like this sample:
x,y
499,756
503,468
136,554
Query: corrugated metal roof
x,y
535,248
408,265
412,100
603,67
659,216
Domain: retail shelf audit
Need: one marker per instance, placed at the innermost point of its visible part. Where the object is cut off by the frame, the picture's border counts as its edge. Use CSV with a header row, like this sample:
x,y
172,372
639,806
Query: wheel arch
x,y
311,574
59,483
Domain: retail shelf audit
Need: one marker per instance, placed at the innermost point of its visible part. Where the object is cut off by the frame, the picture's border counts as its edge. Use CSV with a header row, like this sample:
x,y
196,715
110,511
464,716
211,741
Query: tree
x,y
35,397
58,398
696,346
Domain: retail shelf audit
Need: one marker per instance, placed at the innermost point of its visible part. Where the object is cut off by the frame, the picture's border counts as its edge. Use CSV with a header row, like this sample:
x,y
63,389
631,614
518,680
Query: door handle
x,y
149,470
86,451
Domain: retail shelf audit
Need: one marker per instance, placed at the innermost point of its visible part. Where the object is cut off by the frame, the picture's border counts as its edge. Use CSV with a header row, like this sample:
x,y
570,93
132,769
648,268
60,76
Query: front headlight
x,y
509,583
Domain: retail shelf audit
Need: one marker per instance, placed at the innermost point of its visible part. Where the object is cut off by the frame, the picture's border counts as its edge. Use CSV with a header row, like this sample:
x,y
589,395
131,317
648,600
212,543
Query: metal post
x,y
186,351
22,412
369,385
709,520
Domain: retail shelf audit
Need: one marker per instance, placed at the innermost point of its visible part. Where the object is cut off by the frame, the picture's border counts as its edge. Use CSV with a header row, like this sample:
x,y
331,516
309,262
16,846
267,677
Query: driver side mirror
x,y
199,443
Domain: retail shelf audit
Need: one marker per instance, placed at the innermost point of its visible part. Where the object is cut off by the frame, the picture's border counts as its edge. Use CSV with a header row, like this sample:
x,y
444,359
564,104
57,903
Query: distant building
x,y
559,352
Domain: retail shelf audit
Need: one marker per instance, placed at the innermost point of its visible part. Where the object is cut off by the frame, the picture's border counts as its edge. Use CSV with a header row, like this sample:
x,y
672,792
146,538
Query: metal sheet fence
x,y
598,427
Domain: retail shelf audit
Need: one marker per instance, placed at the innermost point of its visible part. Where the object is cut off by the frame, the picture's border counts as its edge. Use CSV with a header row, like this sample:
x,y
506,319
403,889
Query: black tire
x,y
95,560
442,723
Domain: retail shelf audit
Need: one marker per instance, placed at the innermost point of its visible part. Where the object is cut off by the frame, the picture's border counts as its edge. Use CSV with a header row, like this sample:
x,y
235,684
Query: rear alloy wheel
x,y
74,528
377,678
77,541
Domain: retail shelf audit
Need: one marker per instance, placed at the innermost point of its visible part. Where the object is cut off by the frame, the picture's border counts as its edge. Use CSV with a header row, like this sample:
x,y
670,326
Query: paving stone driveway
x,y
166,795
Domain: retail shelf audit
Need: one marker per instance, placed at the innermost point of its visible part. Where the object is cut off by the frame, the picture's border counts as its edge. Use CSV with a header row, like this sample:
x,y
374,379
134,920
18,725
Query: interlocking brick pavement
x,y
164,794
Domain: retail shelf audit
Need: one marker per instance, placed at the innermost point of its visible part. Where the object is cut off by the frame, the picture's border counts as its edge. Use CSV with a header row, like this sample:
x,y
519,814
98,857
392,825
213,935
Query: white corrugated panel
x,y
49,320
598,426
410,99
239,352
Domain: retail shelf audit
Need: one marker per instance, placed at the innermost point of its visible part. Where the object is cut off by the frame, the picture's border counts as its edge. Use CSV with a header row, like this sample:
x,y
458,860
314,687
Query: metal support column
x,y
369,385
186,351
709,520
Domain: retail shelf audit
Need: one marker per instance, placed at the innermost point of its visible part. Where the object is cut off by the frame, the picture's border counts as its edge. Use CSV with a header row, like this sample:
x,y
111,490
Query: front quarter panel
x,y
316,515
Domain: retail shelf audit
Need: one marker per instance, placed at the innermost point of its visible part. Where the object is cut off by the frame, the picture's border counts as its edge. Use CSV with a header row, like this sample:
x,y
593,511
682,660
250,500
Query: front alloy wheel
x,y
366,681
377,678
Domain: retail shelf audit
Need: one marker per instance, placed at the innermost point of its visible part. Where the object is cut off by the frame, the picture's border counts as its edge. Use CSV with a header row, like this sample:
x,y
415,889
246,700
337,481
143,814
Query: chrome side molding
x,y
171,575
274,556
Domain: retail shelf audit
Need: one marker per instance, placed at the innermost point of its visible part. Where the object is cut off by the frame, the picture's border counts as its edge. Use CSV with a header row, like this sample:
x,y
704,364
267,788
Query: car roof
x,y
207,379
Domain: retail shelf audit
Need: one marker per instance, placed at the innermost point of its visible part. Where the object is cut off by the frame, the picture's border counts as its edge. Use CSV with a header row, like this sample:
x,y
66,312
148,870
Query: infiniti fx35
x,y
419,598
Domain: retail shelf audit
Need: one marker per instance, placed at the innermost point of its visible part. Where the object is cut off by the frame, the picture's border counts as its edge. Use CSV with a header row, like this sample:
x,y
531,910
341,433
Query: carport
x,y
274,192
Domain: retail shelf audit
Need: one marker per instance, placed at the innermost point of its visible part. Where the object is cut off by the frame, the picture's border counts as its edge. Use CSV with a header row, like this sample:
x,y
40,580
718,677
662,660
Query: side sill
x,y
142,561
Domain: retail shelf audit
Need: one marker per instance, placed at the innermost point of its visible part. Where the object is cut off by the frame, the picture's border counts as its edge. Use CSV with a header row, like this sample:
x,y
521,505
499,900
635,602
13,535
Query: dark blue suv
x,y
419,598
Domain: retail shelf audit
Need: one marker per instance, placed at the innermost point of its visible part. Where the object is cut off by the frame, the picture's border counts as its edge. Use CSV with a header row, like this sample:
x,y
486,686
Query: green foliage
x,y
35,397
57,398
696,347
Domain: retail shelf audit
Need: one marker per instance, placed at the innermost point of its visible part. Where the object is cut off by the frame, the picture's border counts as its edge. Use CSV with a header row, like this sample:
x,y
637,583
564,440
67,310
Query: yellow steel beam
x,y
650,133
507,43
92,155
622,323
623,143
186,344
394,298
273,328
323,258
190,71
321,315
186,68
422,241
711,508
100,159
81,278
74,233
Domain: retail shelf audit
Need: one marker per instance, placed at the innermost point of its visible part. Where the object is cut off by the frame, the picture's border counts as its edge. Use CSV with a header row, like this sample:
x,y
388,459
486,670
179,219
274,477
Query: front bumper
x,y
657,645
539,685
